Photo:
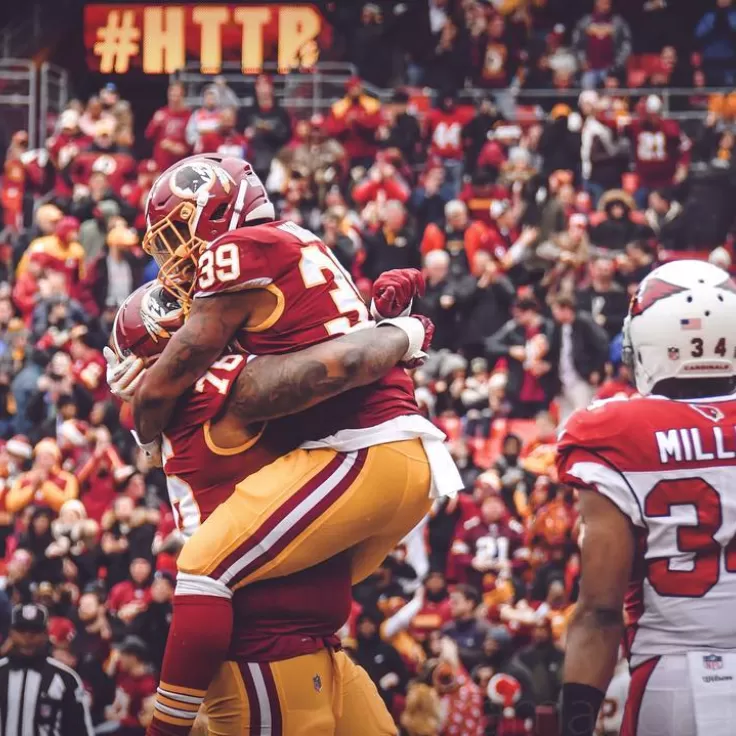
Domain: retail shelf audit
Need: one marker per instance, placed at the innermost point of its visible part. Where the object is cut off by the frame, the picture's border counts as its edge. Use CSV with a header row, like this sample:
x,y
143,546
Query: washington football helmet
x,y
680,325
145,322
193,202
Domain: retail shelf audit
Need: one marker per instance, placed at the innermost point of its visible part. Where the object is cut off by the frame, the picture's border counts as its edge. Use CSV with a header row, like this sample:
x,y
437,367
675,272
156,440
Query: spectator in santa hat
x,y
45,485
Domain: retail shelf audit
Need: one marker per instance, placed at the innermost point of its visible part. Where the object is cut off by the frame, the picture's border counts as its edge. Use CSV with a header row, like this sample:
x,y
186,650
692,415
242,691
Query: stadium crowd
x,y
532,231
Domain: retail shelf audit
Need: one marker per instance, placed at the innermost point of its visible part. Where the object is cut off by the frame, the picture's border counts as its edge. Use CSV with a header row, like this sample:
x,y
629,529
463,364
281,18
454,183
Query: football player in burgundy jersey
x,y
283,628
656,477
367,464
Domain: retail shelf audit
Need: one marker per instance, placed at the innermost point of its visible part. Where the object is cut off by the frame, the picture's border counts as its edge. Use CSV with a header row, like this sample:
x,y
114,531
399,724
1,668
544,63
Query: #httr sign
x,y
160,39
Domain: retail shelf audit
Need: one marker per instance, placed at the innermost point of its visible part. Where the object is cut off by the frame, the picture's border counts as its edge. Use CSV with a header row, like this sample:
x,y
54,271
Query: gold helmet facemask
x,y
172,243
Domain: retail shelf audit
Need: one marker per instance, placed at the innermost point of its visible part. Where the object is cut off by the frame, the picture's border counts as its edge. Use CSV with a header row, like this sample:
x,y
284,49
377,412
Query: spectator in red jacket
x,y
135,687
382,183
136,193
130,597
354,121
167,129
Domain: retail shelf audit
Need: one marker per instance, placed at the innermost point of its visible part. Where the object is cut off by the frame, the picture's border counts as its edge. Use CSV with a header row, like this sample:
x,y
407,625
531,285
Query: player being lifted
x,y
657,483
283,634
367,463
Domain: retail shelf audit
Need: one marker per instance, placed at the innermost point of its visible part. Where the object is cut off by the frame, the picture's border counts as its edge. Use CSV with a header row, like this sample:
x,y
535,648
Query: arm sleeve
x,y
623,50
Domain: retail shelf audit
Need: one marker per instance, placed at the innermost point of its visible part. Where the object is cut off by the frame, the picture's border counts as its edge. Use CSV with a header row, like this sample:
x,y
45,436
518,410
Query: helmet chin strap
x,y
202,199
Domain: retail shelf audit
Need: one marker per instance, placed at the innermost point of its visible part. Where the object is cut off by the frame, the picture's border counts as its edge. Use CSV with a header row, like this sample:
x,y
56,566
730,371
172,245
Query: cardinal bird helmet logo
x,y
651,291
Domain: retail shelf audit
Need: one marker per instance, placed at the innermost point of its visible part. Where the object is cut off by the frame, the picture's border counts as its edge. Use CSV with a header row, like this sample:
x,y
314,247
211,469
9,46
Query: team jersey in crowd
x,y
90,372
119,168
658,148
315,300
274,619
670,467
51,254
167,131
446,130
131,692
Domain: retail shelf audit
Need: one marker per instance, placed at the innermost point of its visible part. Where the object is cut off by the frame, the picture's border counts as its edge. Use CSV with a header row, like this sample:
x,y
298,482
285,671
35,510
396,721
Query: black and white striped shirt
x,y
42,697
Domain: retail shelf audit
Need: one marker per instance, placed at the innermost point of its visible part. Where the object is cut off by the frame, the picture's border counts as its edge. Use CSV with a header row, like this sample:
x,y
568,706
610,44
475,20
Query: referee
x,y
39,695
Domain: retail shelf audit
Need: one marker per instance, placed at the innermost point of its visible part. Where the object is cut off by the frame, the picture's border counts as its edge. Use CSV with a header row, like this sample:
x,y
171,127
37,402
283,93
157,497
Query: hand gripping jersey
x,y
276,619
315,300
670,467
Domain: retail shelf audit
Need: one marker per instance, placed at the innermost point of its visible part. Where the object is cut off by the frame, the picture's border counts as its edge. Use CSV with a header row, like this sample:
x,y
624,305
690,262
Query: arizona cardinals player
x,y
283,627
656,478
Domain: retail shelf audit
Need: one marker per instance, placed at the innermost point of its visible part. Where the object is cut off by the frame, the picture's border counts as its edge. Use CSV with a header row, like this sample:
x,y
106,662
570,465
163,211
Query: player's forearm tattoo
x,y
276,386
189,354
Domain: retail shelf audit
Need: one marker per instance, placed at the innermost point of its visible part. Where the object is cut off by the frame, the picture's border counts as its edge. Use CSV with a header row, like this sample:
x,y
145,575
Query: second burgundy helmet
x,y
193,202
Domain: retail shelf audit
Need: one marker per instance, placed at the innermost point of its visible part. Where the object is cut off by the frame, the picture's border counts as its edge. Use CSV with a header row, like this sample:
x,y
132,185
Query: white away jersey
x,y
670,467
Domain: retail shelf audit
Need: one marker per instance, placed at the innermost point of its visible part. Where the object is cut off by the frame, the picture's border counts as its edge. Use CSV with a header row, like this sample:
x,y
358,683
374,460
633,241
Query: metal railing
x,y
18,96
304,93
29,97
53,96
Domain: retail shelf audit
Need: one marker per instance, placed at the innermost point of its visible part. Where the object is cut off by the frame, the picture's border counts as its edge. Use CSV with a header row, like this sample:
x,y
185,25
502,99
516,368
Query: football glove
x,y
394,292
123,375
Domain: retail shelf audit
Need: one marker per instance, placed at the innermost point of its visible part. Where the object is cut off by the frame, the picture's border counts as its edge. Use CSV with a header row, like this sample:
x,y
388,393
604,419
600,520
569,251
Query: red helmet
x,y
192,203
145,322
67,229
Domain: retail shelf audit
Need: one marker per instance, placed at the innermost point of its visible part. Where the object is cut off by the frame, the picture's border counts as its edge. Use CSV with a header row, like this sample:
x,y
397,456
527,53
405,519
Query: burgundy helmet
x,y
145,322
192,203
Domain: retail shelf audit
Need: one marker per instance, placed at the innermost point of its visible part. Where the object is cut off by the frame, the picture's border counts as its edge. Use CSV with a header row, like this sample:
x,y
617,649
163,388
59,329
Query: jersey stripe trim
x,y
610,484
180,690
317,496
193,699
229,451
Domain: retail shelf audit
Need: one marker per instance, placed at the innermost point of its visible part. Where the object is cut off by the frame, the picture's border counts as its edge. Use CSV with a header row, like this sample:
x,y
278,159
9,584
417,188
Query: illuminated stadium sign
x,y
161,39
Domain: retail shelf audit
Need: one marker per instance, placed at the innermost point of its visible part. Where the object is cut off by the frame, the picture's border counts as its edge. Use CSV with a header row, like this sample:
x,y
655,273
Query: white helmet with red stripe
x,y
680,325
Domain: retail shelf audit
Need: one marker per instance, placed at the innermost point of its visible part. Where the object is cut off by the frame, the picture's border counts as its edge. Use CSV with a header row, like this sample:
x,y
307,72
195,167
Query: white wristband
x,y
414,330
379,317
151,447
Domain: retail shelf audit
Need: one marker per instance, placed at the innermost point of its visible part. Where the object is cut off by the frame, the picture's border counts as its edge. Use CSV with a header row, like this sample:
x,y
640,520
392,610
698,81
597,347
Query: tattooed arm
x,y
274,386
211,325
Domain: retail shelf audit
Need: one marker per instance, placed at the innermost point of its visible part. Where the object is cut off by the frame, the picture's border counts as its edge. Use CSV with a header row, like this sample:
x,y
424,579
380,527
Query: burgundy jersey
x,y
266,625
445,130
658,149
119,168
315,301
131,692
674,477
63,149
168,127
90,372
485,544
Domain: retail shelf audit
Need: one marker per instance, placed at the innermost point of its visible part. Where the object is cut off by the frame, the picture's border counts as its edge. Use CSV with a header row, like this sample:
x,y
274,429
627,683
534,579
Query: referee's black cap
x,y
29,617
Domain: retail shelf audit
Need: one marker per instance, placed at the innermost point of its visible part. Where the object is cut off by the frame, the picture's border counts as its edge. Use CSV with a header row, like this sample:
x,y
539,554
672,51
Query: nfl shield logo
x,y
317,682
673,353
712,661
